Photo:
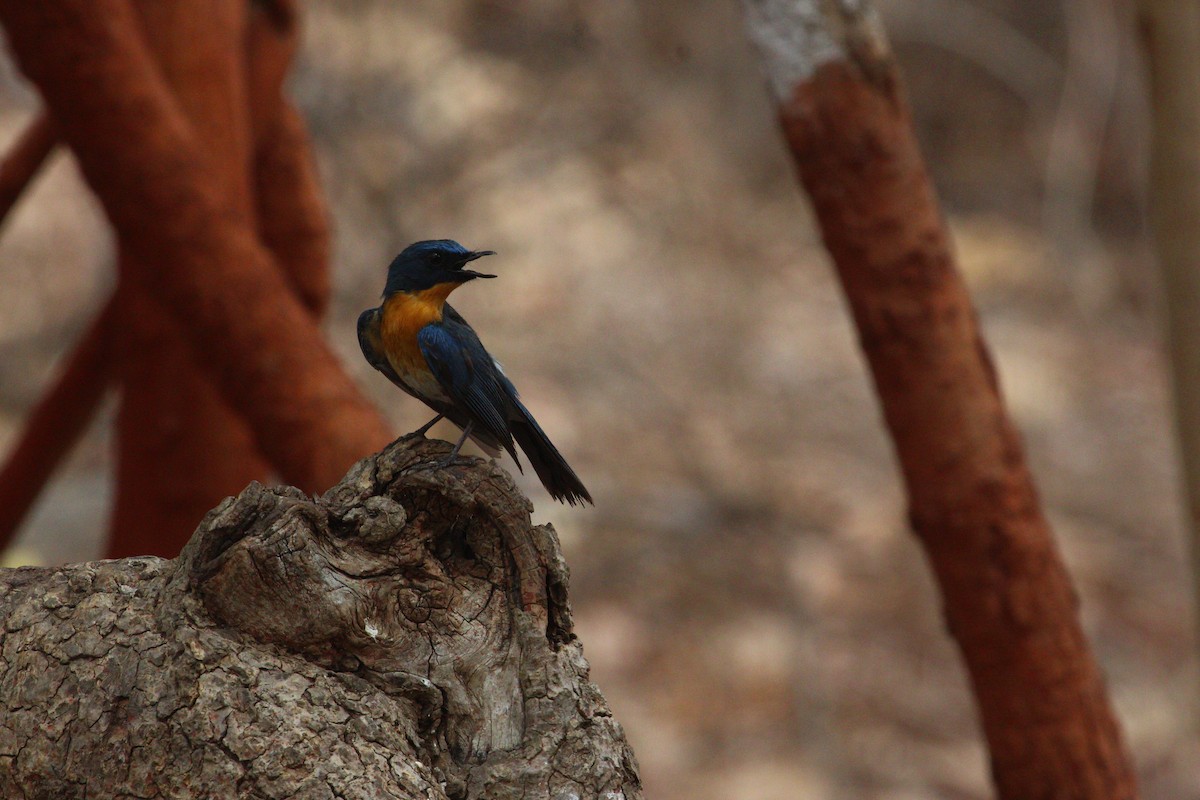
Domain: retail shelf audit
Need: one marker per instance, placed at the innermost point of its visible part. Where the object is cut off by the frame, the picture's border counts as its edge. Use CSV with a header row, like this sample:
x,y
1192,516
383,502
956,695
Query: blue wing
x,y
468,375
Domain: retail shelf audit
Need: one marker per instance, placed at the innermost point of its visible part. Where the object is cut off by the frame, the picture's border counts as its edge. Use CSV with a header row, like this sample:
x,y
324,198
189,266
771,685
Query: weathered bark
x,y
1007,597
180,447
1171,40
60,417
407,634
192,249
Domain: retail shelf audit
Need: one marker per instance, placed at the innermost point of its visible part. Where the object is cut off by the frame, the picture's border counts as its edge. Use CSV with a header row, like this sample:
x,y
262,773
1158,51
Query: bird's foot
x,y
443,462
447,461
451,457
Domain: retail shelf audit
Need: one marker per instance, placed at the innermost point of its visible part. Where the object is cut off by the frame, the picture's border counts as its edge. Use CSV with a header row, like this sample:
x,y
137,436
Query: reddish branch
x,y
24,160
179,444
169,474
292,221
55,424
64,412
1007,596
291,216
193,249
180,447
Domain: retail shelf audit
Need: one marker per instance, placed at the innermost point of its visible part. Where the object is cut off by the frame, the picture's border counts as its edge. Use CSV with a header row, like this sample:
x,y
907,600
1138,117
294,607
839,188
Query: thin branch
x,y
1171,40
23,161
55,424
292,220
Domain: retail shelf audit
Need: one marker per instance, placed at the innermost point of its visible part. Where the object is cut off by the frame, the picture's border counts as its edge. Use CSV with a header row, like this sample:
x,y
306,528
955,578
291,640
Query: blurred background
x,y
746,588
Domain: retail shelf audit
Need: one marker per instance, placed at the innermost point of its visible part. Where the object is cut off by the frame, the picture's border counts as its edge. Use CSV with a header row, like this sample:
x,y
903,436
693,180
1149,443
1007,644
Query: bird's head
x,y
435,262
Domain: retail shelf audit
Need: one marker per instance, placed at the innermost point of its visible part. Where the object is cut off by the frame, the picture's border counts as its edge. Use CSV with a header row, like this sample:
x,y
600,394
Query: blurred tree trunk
x,y
180,447
292,219
1008,600
1171,41
443,666
190,242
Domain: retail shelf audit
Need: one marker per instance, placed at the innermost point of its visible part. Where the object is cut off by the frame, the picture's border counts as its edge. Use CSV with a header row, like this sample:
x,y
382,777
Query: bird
x,y
426,348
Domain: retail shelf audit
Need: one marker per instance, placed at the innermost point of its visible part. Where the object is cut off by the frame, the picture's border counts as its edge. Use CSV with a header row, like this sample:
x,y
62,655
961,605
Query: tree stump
x,y
405,635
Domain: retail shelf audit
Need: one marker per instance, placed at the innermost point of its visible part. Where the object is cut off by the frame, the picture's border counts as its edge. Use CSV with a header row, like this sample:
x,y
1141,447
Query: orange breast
x,y
403,317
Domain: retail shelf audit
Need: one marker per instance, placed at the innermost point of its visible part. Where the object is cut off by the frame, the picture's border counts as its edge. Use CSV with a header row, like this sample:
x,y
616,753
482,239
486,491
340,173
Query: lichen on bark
x,y
407,634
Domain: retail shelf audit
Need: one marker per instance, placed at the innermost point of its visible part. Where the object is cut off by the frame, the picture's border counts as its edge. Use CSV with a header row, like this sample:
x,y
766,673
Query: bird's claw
x,y
443,462
450,459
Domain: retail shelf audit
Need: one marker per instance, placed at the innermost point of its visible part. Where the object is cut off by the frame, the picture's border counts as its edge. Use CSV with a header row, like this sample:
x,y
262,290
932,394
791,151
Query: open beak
x,y
471,257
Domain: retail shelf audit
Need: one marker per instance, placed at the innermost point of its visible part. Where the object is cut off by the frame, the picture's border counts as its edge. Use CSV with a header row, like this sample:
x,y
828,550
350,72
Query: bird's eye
x,y
435,258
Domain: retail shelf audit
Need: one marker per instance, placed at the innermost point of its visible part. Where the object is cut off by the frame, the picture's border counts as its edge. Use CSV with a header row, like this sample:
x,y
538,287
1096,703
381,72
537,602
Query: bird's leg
x,y
424,429
421,431
442,463
461,441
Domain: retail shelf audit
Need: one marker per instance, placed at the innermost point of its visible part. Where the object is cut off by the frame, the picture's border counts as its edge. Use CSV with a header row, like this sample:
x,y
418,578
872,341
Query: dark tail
x,y
556,474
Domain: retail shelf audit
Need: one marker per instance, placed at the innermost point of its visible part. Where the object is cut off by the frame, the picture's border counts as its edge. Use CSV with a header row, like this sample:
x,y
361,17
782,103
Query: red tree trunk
x,y
292,219
180,448
1007,597
192,248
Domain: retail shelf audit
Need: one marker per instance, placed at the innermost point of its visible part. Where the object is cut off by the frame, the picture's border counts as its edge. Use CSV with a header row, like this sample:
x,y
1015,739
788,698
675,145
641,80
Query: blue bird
x,y
426,348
